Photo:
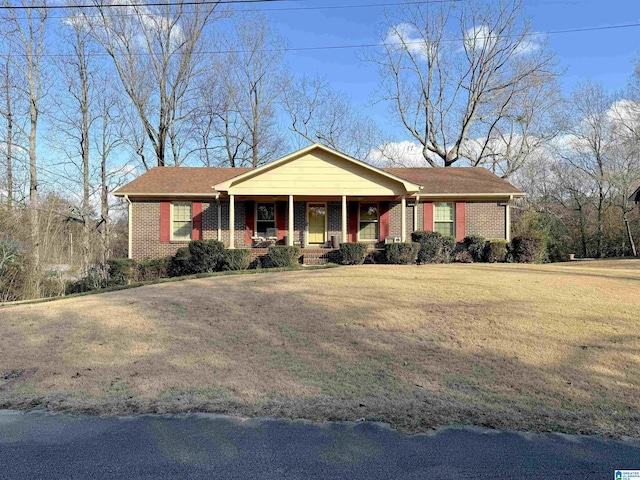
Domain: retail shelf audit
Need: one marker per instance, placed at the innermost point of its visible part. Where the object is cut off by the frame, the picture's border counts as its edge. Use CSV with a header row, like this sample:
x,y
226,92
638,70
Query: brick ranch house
x,y
313,198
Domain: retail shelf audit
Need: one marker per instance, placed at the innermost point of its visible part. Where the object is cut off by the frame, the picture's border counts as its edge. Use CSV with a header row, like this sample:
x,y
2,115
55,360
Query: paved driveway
x,y
42,445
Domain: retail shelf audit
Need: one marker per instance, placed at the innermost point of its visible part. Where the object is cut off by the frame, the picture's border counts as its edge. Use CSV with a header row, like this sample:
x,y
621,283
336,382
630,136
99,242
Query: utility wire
x,y
119,5
370,45
283,9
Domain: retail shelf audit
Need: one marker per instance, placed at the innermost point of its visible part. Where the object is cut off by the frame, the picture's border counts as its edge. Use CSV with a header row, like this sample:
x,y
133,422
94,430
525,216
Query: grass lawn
x,y
542,347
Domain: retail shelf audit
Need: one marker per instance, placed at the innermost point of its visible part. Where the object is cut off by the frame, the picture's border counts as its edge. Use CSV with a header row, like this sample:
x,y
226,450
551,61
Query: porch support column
x,y
403,222
415,213
219,216
232,221
344,219
507,220
291,219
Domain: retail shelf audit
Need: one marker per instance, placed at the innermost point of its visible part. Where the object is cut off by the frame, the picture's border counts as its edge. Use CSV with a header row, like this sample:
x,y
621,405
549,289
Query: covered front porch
x,y
318,222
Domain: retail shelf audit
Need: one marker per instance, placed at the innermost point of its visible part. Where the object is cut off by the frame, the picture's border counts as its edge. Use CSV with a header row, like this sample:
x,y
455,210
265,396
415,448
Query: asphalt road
x,y
43,446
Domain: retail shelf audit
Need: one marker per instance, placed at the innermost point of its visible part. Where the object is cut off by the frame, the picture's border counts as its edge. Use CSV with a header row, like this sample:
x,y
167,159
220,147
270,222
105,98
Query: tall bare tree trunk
x,y
9,141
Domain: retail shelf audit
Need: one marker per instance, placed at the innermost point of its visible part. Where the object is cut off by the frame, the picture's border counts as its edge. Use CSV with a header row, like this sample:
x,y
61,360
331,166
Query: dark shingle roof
x,y
184,180
200,180
476,180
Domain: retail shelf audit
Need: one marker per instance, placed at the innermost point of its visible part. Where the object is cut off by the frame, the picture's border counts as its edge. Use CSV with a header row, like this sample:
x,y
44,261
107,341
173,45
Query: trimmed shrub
x,y
430,245
375,257
237,259
282,256
153,269
448,247
475,244
352,253
495,250
180,263
122,271
462,256
94,278
434,247
526,249
206,256
402,253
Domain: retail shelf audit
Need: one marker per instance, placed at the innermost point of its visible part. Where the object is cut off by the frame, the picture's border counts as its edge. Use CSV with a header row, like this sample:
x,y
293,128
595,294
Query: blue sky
x,y
604,56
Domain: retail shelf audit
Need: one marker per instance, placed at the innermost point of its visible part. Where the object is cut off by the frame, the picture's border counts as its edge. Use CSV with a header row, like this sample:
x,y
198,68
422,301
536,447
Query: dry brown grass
x,y
545,347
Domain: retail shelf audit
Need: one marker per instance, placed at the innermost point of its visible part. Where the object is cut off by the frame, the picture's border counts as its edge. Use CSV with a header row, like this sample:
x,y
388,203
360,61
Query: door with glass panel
x,y
317,218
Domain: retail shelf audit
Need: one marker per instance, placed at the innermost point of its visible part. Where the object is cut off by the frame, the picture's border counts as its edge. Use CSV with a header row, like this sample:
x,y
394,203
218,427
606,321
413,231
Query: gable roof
x,y
179,181
408,185
202,181
635,196
456,180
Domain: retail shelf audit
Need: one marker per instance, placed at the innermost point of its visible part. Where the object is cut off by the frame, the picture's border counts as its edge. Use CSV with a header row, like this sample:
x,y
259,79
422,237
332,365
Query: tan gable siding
x,y
318,173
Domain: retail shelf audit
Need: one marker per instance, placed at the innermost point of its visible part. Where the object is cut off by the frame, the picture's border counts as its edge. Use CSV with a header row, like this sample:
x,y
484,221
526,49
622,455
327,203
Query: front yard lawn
x,y
541,347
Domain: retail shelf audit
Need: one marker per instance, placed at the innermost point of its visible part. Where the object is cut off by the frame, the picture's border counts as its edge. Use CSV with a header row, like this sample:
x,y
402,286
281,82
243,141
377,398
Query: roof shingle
x,y
200,180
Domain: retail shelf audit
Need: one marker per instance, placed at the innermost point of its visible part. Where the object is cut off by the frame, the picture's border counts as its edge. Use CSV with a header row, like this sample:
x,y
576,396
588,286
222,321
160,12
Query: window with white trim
x,y
444,215
181,218
266,220
369,221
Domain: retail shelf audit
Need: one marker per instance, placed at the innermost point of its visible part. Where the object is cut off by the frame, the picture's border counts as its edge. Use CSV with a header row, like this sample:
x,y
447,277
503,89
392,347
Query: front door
x,y
317,213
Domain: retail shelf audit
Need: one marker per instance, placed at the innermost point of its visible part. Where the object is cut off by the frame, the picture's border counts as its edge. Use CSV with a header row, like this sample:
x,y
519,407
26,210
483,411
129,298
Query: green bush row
x,y
432,247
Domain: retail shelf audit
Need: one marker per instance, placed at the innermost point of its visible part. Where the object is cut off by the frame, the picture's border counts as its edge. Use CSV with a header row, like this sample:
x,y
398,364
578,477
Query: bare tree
x,y
74,117
587,144
156,53
320,114
26,29
463,94
254,81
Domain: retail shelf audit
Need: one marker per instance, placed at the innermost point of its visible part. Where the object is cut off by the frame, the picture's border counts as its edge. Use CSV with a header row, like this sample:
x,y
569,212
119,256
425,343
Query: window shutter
x,y
196,221
165,222
353,221
384,220
281,219
249,221
461,221
428,216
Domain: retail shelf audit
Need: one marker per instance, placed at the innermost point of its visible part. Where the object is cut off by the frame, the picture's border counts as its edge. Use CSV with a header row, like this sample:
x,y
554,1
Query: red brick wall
x,y
486,218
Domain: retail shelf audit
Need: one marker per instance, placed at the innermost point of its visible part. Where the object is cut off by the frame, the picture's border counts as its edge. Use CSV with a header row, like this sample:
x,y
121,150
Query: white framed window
x,y
181,218
266,220
444,218
369,221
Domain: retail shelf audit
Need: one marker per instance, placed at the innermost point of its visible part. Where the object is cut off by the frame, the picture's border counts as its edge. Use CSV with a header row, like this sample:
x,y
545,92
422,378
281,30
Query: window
x,y
368,221
266,220
181,219
443,218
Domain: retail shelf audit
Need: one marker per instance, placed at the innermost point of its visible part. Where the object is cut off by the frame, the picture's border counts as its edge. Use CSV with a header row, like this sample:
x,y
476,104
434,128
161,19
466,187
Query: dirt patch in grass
x,y
542,347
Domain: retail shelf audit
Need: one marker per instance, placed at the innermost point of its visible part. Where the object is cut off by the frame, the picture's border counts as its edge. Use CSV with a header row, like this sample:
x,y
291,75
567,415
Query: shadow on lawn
x,y
309,359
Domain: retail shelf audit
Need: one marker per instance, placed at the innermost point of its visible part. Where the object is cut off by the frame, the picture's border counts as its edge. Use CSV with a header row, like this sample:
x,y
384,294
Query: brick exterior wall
x,y
395,219
334,221
486,218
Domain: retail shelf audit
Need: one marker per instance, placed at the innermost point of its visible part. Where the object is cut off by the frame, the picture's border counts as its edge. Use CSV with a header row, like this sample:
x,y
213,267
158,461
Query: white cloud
x,y
398,154
403,36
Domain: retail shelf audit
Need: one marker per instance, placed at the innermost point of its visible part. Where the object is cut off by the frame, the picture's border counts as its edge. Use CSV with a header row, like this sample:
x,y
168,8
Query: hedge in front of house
x,y
122,271
206,256
526,249
352,253
434,247
475,245
238,259
405,253
495,250
180,263
281,256
153,269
